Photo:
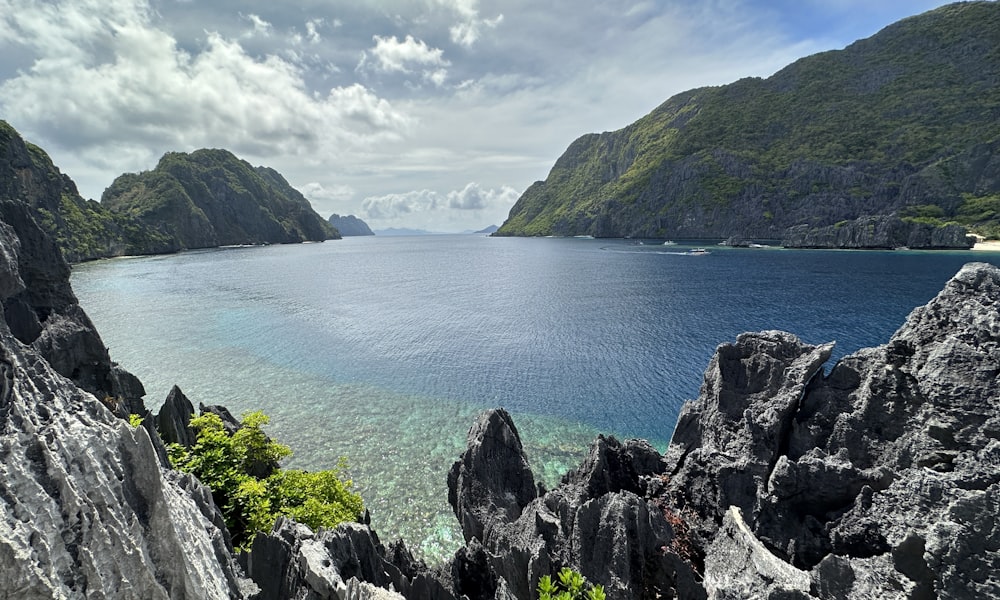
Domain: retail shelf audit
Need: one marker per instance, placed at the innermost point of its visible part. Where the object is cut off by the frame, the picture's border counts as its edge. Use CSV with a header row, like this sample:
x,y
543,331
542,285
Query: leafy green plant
x,y
569,585
134,420
251,491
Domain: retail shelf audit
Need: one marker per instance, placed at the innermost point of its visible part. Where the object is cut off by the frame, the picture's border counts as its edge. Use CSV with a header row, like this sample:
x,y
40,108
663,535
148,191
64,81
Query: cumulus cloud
x,y
470,26
473,197
325,194
312,30
428,206
105,77
260,26
404,56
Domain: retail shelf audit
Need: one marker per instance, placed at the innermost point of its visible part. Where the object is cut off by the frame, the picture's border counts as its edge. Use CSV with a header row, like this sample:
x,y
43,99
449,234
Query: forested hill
x,y
203,199
83,229
906,122
212,198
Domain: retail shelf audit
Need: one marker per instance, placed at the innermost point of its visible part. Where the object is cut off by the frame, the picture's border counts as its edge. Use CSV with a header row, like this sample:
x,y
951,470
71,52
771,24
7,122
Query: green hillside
x,y
83,229
212,198
906,122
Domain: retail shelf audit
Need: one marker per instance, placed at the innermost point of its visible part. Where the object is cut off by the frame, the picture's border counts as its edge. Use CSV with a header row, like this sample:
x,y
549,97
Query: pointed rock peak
x,y
491,483
174,418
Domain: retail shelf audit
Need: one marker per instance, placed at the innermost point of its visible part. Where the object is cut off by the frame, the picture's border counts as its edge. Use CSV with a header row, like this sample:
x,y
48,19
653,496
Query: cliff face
x,y
83,230
902,122
349,225
211,198
88,508
879,232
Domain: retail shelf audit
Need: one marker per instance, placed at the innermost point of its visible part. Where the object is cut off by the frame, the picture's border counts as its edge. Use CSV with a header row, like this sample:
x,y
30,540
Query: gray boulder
x,y
738,565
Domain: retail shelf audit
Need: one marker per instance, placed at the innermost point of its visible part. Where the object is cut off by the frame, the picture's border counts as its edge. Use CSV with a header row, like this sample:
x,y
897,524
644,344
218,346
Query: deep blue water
x,y
383,349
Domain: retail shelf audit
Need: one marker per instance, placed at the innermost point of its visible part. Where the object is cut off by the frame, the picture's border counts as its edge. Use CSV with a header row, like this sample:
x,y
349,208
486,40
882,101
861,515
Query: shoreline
x,y
990,246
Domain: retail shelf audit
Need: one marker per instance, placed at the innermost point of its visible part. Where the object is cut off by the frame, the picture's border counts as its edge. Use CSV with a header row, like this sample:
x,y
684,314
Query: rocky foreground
x,y
877,479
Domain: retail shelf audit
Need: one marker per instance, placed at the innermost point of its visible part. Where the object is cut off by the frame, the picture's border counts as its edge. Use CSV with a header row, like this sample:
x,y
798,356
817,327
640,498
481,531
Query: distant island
x,y
393,231
349,225
902,124
488,230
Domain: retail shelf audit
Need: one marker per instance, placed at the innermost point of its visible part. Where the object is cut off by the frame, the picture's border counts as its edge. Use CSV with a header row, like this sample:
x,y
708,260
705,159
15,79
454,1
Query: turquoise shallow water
x,y
384,349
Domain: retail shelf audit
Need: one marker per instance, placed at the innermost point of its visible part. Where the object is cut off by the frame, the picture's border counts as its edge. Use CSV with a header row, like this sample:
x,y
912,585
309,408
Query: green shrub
x,y
249,504
570,586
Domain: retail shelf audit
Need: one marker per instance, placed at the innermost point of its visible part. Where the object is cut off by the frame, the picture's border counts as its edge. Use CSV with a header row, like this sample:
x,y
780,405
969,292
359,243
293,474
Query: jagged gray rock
x,y
598,521
879,232
174,419
492,483
348,562
86,507
879,479
726,443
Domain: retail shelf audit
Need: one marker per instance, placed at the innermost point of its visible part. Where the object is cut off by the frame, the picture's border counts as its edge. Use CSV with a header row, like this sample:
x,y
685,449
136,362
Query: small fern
x,y
570,586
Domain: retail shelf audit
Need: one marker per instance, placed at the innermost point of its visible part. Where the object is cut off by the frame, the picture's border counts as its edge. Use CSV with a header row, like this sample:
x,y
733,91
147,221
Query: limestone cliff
x,y
885,232
87,506
211,198
349,225
903,122
82,229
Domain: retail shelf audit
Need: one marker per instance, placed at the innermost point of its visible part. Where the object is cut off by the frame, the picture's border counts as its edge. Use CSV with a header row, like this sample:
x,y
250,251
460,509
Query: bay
x,y
383,350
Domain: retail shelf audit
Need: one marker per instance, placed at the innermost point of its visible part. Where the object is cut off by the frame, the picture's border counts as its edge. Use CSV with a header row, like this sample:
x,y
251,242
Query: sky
x,y
425,114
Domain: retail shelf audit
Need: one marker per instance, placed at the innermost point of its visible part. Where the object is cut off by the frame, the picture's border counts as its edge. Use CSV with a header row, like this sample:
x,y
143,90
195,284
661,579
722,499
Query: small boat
x,y
698,251
669,243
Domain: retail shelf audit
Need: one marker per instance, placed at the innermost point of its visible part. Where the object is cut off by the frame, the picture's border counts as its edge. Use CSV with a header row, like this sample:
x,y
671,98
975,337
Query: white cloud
x,y
260,26
474,197
467,31
320,193
435,211
392,55
105,78
312,30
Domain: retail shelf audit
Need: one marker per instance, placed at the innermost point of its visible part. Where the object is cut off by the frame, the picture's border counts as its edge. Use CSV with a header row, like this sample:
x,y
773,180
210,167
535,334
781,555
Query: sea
x,y
383,350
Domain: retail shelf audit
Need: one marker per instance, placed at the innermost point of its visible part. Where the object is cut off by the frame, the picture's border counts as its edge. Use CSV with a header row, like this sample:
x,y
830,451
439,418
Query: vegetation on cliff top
x,y
907,118
252,493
